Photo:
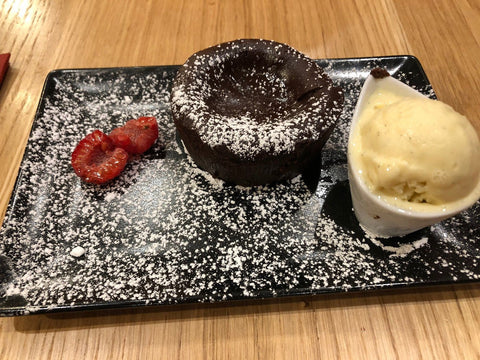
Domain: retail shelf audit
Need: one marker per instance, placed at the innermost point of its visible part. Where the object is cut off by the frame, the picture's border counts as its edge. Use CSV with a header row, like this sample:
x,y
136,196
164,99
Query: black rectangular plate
x,y
165,233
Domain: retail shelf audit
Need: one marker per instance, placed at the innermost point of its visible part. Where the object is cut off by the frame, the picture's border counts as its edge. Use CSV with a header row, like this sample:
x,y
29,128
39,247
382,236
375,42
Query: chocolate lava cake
x,y
253,112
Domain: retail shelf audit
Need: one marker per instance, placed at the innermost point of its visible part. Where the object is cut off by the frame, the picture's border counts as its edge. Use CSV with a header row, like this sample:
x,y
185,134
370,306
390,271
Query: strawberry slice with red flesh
x,y
97,160
137,135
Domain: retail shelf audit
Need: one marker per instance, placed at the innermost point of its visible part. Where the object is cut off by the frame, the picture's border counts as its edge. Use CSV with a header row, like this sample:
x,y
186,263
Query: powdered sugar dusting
x,y
403,249
165,232
281,128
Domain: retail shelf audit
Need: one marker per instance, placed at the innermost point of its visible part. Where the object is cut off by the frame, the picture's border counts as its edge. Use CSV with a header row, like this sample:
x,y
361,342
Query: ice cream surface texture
x,y
416,153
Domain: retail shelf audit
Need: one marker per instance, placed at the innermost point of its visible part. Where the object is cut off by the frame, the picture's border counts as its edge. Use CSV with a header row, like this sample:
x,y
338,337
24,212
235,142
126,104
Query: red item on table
x,y
96,159
3,65
137,135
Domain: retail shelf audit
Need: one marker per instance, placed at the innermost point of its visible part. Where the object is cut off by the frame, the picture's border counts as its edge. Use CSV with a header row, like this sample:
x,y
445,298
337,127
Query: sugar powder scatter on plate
x,y
166,232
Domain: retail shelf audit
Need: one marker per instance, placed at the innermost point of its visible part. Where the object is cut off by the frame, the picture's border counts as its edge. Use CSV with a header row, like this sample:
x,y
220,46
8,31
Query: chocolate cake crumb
x,y
379,73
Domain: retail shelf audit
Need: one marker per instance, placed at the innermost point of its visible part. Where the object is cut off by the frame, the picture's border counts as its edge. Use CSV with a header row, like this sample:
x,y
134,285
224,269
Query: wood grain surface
x,y
435,323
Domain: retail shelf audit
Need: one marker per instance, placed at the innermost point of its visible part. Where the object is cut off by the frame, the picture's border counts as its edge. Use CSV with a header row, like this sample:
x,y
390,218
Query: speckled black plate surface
x,y
164,232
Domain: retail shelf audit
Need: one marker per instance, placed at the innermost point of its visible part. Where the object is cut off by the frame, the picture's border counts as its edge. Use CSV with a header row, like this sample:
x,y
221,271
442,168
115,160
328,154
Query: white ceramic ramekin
x,y
375,215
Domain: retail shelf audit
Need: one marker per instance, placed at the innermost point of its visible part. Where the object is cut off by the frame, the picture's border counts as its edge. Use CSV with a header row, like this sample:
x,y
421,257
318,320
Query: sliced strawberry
x,y
97,160
137,135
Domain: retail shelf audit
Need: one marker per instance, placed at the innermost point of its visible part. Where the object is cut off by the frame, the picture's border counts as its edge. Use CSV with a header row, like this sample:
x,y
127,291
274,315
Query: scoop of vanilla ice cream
x,y
417,150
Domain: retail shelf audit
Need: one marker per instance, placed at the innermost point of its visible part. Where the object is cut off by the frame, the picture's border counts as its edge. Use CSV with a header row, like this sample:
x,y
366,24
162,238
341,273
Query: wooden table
x,y
436,323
